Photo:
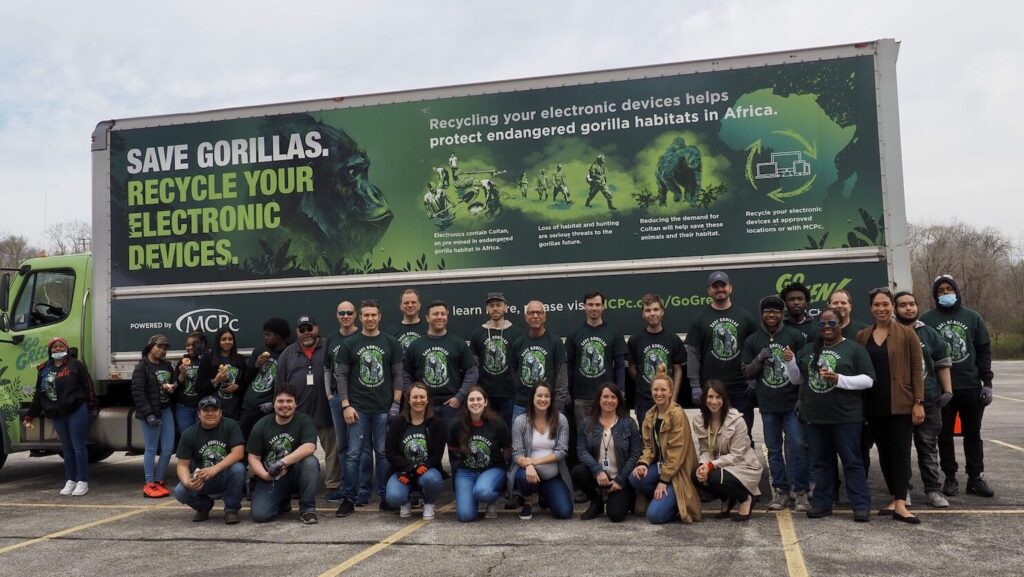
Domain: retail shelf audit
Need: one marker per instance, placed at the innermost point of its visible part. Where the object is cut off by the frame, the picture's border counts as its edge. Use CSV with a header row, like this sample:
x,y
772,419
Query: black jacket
x,y
71,386
149,397
436,442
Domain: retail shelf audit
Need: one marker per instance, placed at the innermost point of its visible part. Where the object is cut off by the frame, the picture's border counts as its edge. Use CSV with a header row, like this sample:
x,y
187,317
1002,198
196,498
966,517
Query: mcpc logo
x,y
206,320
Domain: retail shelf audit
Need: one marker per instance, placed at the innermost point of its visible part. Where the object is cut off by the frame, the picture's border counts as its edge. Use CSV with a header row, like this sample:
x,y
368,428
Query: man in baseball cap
x,y
491,344
210,457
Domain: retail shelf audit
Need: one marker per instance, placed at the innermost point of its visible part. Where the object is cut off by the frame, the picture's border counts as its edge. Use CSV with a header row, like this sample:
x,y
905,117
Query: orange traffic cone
x,y
957,431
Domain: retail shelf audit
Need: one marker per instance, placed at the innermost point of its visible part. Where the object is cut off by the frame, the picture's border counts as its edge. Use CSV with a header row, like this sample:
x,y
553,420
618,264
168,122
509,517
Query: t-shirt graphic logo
x,y
773,373
592,363
532,371
280,446
190,380
51,391
956,341
654,358
495,356
724,344
435,372
406,339
415,450
264,381
163,377
828,360
232,379
371,368
479,456
213,453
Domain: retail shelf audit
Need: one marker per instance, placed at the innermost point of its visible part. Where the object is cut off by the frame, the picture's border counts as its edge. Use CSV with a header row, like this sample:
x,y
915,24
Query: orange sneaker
x,y
162,489
152,490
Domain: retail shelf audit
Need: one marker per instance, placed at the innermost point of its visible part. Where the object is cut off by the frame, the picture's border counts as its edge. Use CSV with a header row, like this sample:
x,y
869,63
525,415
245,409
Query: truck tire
x,y
97,454
3,456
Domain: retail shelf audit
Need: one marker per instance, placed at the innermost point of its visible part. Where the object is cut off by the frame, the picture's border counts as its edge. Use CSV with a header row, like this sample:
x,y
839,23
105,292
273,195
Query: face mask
x,y
947,300
58,356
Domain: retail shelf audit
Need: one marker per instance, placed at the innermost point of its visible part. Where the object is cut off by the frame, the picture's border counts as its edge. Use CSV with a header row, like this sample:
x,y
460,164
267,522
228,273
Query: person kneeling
x,y
414,447
210,457
609,445
281,451
540,443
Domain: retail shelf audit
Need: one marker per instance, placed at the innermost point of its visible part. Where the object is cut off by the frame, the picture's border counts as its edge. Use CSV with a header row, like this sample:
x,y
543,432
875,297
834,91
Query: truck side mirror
x,y
5,292
4,322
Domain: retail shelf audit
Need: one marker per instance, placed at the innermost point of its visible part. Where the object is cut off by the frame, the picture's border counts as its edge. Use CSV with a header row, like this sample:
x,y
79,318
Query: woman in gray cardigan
x,y
540,443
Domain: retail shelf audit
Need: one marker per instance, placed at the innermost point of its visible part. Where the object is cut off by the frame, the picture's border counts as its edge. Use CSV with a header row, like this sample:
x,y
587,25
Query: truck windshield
x,y
45,298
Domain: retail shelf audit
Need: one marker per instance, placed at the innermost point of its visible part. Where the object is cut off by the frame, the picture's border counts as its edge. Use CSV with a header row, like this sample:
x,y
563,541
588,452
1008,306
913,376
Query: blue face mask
x,y
947,300
59,356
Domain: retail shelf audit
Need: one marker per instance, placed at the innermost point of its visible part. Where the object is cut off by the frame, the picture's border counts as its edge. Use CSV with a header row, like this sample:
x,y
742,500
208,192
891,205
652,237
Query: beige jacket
x,y
733,449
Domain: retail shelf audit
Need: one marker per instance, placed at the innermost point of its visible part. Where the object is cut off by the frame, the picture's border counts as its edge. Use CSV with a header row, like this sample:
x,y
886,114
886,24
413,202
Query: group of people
x,y
543,422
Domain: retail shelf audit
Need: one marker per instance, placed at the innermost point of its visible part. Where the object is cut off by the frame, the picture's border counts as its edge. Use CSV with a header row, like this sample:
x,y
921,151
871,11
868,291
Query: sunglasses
x,y
828,324
942,277
305,329
882,290
346,313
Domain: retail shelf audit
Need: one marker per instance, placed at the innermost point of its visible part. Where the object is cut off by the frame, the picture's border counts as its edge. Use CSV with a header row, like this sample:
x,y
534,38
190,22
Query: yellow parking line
x,y
79,528
73,506
1008,398
1021,449
791,545
383,544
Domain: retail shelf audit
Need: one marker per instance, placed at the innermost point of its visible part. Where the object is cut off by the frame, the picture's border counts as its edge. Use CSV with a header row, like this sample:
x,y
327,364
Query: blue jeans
x,y
429,484
269,497
472,488
161,436
789,471
341,438
826,442
184,417
228,483
505,409
370,428
554,490
661,510
73,430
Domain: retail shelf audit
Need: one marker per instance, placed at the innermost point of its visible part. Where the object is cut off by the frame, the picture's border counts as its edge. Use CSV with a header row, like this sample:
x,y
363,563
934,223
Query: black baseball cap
x,y
209,401
718,276
306,320
496,297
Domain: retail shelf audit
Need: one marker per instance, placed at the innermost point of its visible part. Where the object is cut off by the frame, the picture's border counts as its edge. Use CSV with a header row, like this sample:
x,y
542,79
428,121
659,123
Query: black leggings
x,y
618,503
893,435
723,485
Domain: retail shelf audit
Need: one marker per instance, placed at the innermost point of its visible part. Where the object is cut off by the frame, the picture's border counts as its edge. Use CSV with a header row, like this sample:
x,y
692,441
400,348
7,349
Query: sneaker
x,y
978,486
200,515
81,488
152,491
163,488
937,499
346,508
385,506
491,512
309,518
779,498
428,511
514,502
802,501
862,516
950,487
595,510
405,511
335,496
231,517
813,513
415,501
68,488
526,513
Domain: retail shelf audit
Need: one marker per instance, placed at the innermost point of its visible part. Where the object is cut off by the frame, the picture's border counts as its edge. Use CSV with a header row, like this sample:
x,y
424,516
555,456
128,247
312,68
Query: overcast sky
x,y
64,66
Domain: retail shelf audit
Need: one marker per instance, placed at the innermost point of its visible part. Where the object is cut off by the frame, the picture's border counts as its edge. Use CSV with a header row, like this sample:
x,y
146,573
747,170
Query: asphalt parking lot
x,y
115,531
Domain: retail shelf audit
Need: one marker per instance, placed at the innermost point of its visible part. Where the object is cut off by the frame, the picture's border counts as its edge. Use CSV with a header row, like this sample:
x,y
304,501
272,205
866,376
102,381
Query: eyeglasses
x,y
346,313
370,303
828,324
305,329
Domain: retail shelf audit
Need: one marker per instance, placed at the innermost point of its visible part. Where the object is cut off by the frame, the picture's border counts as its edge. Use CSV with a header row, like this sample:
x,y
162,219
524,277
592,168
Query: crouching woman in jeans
x,y
662,474
540,443
414,447
479,445
609,445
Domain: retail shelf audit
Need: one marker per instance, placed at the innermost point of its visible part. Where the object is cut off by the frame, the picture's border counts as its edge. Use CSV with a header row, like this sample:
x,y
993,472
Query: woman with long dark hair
x,y
608,448
415,446
895,405
479,446
832,373
152,386
186,389
729,468
540,443
224,372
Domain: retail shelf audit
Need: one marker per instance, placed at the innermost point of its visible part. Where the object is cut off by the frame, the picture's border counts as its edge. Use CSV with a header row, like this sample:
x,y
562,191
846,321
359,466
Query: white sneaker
x,y
428,511
81,488
68,488
405,511
492,511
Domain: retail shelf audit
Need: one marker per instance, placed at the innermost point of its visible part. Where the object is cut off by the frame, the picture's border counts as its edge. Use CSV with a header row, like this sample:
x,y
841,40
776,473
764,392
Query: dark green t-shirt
x,y
261,390
413,444
440,363
934,350
406,334
187,392
333,345
775,394
272,441
537,359
591,351
647,351
207,447
486,445
827,404
962,330
719,336
369,359
493,350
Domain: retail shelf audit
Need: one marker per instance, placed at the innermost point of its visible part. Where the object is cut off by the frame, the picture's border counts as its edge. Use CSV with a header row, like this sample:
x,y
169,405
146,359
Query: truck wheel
x,y
3,456
97,454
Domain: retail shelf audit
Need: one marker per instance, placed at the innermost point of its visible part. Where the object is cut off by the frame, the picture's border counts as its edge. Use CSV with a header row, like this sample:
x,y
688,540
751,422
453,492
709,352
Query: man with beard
x,y
210,457
491,344
650,348
797,296
714,345
443,362
281,456
938,391
970,351
259,397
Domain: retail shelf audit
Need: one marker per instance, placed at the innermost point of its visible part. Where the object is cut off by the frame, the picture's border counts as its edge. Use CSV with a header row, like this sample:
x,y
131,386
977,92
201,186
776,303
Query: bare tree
x,y
14,249
72,237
